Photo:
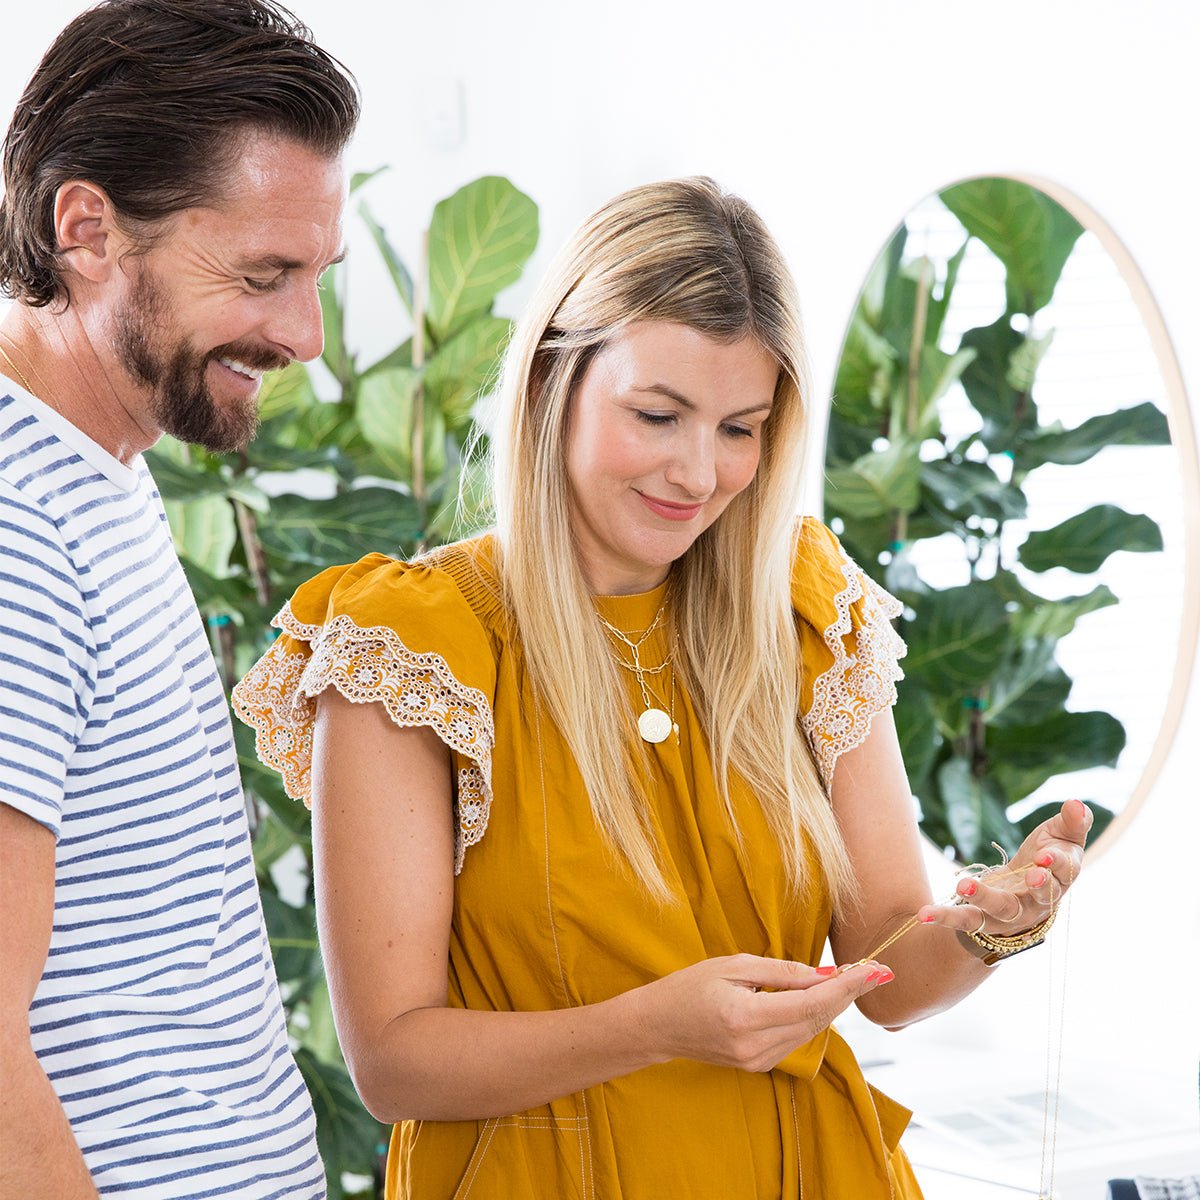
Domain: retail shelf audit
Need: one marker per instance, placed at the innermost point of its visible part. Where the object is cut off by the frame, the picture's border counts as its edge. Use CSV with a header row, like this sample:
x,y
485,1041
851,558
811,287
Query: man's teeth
x,y
241,368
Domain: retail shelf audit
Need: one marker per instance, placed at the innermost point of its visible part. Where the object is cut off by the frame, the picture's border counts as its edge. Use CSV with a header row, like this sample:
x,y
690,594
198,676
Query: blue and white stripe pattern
x,y
158,1018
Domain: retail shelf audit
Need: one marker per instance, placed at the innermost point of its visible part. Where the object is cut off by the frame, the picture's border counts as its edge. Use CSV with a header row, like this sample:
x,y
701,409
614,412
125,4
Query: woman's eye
x,y
654,418
741,431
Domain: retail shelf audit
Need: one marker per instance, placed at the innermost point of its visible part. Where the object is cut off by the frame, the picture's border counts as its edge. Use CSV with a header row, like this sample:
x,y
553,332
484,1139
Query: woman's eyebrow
x,y
663,389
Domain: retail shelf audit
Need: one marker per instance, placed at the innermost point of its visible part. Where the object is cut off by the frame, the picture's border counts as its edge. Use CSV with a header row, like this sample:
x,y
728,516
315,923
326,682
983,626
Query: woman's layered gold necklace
x,y
656,722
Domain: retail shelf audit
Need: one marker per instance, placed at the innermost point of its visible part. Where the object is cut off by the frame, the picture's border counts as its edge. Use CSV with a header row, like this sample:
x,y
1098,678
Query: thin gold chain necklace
x,y
20,374
654,724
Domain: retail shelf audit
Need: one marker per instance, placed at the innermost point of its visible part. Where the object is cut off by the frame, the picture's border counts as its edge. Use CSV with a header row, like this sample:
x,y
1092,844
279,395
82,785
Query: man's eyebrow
x,y
663,389
280,262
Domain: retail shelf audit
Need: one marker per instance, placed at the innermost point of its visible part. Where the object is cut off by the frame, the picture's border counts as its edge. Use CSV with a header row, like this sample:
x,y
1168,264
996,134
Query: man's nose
x,y
298,326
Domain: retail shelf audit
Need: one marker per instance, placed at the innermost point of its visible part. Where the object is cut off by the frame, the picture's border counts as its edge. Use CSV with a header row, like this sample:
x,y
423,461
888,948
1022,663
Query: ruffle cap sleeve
x,y
851,652
379,631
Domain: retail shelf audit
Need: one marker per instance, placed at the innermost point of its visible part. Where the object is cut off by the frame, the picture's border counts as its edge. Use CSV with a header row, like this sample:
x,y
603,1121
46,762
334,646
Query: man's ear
x,y
89,242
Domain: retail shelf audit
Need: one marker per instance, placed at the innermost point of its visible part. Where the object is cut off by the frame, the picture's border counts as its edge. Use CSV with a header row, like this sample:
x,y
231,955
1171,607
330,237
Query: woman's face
x,y
664,429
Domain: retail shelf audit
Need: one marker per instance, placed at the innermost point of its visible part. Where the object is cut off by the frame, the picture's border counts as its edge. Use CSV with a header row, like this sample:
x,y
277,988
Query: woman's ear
x,y
89,241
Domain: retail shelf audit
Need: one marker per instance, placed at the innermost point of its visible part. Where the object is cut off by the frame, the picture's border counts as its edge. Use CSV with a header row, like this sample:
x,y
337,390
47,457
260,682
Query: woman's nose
x,y
693,467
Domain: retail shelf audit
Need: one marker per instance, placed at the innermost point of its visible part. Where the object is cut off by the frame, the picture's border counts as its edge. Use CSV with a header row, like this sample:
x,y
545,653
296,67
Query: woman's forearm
x,y
449,1064
933,972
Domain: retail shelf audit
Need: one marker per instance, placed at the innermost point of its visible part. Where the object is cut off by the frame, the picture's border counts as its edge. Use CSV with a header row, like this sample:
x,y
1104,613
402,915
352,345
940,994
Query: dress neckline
x,y
633,613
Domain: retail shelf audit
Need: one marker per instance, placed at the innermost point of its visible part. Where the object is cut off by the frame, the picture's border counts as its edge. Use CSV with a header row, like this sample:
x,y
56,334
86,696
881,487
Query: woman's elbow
x,y
382,1089
894,1013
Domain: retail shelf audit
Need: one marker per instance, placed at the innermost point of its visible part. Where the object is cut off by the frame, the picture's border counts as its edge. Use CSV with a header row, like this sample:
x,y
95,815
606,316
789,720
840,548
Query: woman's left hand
x,y
1010,903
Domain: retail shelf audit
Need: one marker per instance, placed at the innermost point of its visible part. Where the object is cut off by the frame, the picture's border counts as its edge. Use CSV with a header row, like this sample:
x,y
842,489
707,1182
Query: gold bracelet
x,y
992,947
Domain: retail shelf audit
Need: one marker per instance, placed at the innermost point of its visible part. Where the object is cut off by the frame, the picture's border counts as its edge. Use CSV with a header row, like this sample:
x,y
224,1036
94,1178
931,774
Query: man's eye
x,y
261,285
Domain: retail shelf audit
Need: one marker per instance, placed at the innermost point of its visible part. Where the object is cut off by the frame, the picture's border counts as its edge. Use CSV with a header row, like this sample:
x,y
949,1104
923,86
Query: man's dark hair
x,y
150,100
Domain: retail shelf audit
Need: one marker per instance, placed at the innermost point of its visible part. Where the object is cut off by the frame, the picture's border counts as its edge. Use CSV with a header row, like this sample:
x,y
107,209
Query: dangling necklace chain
x,y
654,724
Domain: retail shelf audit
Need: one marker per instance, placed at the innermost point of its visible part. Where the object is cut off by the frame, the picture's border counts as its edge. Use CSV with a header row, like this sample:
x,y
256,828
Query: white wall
x,y
832,119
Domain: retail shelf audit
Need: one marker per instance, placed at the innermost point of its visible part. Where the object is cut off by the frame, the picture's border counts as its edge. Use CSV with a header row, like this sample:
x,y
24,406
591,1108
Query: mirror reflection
x,y
998,457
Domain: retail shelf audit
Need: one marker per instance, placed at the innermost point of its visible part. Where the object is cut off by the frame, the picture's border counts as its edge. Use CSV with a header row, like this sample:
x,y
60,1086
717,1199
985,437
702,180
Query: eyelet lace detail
x,y
365,665
858,685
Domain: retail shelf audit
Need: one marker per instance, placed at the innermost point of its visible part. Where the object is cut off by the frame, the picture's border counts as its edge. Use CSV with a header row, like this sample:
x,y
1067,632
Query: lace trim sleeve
x,y
861,683
366,665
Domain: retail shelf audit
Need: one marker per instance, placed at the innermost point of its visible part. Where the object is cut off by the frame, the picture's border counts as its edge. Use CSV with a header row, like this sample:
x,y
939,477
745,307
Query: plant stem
x,y
418,412
915,346
912,408
256,559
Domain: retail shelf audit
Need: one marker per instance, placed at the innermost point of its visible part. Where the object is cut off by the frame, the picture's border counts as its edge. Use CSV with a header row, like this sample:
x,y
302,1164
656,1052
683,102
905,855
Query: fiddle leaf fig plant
x,y
983,716
381,465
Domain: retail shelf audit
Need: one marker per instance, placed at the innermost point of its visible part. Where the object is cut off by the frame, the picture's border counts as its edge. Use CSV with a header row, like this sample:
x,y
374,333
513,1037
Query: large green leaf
x,y
1054,619
1023,757
349,1138
336,355
395,264
939,305
1025,666
1142,425
975,810
847,440
864,376
292,933
1025,360
464,368
272,840
385,413
204,530
1007,414
938,373
341,529
971,489
958,639
283,391
177,479
878,483
1083,542
479,240
917,731
1032,235
229,595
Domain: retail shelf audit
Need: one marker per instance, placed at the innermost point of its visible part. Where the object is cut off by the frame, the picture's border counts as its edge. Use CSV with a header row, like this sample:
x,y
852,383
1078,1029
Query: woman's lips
x,y
672,512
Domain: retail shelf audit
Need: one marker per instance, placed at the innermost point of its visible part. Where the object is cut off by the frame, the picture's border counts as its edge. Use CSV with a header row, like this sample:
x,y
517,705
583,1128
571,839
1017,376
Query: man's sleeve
x,y
47,660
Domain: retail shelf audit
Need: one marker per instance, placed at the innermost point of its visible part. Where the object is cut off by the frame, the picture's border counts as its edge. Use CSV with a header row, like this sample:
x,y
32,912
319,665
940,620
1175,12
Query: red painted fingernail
x,y
827,970
874,975
968,888
887,975
1044,860
927,920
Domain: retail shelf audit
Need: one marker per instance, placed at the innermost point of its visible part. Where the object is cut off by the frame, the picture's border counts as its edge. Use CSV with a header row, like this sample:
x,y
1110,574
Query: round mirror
x,y
1010,453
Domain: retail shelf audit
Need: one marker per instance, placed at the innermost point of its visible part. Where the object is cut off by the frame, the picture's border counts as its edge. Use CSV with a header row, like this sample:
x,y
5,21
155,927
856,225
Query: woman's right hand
x,y
747,1012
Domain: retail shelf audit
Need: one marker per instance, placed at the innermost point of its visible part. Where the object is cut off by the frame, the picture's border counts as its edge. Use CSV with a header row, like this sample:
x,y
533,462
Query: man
x,y
173,193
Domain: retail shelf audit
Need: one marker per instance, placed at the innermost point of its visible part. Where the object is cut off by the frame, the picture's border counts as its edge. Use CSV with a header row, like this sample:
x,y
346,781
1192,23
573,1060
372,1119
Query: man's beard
x,y
181,403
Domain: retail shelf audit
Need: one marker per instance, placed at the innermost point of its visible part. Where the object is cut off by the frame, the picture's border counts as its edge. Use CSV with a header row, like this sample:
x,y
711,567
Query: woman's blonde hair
x,y
686,252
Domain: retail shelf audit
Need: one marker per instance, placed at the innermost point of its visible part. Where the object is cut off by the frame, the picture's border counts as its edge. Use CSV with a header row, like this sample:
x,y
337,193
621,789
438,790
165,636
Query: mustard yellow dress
x,y
543,917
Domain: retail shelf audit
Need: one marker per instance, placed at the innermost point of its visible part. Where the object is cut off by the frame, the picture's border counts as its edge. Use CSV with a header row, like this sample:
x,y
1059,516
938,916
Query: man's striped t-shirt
x,y
158,1018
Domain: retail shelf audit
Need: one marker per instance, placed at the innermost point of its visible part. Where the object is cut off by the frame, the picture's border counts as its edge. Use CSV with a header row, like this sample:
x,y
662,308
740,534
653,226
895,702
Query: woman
x,y
591,792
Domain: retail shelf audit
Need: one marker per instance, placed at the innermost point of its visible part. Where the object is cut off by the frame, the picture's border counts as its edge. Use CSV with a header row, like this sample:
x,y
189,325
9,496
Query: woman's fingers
x,y
777,974
829,998
1074,820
